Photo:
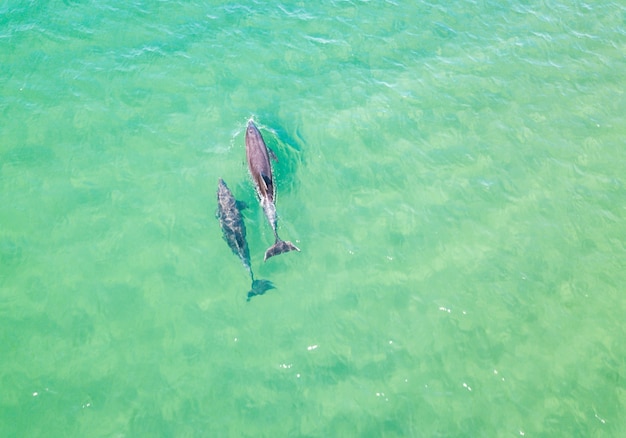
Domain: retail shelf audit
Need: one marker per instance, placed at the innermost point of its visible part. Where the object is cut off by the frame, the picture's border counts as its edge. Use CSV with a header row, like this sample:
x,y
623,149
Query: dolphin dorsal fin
x,y
267,180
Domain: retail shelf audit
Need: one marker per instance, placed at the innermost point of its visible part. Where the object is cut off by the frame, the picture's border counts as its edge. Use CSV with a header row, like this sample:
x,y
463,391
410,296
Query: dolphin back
x,y
232,224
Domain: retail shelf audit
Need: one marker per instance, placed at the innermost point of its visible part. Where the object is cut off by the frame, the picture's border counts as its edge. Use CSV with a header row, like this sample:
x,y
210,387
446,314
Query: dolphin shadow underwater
x,y
258,157
234,231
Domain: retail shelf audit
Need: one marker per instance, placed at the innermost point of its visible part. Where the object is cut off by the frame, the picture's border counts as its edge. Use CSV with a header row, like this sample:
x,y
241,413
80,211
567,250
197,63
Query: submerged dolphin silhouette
x,y
234,230
258,156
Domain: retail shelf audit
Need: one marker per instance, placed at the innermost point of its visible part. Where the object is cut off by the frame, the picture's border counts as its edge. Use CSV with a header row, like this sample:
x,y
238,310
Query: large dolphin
x,y
234,229
258,156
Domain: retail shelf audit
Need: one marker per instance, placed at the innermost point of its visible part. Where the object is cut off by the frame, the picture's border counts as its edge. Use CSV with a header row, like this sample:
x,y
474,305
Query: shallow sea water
x,y
453,174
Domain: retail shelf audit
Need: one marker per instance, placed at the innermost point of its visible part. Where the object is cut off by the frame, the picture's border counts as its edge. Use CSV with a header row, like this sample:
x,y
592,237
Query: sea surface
x,y
454,174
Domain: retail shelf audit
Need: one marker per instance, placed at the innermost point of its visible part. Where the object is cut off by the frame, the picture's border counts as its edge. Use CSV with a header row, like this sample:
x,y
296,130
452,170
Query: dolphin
x,y
234,230
258,156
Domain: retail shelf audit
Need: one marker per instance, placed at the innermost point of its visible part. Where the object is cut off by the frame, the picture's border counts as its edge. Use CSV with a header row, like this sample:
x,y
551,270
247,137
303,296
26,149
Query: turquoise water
x,y
453,173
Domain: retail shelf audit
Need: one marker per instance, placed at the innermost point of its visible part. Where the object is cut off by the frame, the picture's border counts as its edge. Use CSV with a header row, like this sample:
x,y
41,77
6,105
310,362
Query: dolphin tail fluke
x,y
259,287
280,247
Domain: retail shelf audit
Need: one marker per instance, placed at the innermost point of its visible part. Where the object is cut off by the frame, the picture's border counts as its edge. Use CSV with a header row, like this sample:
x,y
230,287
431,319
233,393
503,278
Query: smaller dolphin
x,y
234,229
258,156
